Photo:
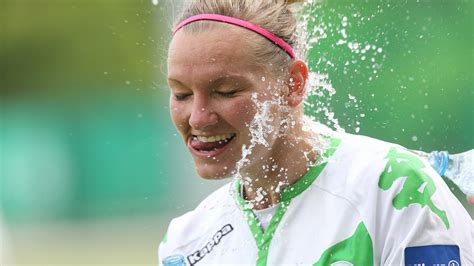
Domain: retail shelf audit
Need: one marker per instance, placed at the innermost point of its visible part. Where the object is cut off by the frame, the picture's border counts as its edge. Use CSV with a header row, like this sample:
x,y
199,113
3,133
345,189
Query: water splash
x,y
334,33
331,29
262,128
321,29
320,117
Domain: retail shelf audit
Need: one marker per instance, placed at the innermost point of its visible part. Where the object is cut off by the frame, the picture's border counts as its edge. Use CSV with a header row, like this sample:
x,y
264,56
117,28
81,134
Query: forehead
x,y
210,53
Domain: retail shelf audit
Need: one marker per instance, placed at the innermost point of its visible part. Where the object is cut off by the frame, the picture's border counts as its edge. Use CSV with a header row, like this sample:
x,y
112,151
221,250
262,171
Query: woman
x,y
301,195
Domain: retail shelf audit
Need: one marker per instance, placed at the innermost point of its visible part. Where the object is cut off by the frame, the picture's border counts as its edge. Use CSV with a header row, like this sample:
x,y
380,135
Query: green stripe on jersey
x,y
356,250
303,183
263,239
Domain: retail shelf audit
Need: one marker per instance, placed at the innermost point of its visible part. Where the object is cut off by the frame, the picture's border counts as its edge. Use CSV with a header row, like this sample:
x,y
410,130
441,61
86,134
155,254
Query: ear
x,y
297,82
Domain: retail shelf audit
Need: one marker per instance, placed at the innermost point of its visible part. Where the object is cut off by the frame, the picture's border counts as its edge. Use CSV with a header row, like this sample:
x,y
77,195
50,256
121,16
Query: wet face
x,y
213,82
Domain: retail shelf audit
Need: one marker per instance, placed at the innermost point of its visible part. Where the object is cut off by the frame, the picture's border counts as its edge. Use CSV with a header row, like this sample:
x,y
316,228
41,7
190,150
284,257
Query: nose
x,y
202,115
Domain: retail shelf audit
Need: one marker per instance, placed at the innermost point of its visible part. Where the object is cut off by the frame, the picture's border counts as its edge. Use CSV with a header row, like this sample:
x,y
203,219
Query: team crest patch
x,y
447,255
174,260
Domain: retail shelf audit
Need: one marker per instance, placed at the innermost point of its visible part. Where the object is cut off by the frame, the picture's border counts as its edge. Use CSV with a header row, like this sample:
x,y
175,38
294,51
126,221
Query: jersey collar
x,y
301,184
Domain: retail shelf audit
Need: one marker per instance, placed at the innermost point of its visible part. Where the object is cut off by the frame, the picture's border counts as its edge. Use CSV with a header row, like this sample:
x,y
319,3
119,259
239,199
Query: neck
x,y
287,163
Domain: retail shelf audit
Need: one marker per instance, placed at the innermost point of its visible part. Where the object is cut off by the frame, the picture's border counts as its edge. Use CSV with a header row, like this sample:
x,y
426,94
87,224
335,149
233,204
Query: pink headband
x,y
244,24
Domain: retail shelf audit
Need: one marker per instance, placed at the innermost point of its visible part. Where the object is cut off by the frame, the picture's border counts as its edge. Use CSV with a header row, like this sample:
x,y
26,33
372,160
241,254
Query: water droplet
x,y
414,138
155,2
344,21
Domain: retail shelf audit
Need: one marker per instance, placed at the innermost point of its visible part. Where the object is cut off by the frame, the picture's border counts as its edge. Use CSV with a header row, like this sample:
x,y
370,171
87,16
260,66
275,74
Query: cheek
x,y
178,115
242,113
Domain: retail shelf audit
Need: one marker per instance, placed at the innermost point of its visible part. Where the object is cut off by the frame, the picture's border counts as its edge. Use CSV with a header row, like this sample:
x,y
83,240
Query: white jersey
x,y
371,203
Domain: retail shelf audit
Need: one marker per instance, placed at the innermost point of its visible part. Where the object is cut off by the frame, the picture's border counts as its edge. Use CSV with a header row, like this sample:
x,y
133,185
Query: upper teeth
x,y
214,138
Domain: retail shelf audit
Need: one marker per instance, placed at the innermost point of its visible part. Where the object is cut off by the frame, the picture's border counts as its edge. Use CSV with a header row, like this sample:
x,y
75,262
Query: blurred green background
x,y
91,168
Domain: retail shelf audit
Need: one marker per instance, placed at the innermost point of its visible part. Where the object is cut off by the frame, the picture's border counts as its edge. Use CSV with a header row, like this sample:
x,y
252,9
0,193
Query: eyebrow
x,y
229,78
172,80
218,81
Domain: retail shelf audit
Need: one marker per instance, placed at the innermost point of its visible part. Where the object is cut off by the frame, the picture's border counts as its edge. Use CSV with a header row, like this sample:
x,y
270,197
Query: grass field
x,y
100,242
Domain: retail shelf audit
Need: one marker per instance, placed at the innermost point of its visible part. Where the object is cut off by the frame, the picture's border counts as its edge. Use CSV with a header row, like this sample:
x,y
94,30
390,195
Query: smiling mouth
x,y
209,146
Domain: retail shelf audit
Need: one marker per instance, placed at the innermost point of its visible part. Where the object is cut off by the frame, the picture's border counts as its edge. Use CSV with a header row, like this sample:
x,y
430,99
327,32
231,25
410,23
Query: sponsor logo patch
x,y
174,260
434,255
216,239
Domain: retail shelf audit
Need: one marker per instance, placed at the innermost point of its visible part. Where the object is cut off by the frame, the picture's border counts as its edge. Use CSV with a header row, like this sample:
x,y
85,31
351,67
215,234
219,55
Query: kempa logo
x,y
216,239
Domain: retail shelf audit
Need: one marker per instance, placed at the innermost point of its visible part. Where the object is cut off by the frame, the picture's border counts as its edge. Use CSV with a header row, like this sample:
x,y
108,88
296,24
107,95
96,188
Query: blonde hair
x,y
276,16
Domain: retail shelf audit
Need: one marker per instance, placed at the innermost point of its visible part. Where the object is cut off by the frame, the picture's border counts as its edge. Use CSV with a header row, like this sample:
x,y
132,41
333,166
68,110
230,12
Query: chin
x,y
212,172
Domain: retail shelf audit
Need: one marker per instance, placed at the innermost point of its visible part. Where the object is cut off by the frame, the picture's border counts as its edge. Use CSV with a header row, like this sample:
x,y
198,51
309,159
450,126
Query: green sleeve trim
x,y
357,250
165,238
263,239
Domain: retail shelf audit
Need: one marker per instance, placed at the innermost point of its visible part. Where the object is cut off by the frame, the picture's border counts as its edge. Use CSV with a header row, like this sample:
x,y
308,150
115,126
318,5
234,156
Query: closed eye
x,y
181,96
228,94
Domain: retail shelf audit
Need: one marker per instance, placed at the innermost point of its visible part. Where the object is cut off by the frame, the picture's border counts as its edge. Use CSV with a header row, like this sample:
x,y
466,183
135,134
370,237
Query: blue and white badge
x,y
175,260
435,255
